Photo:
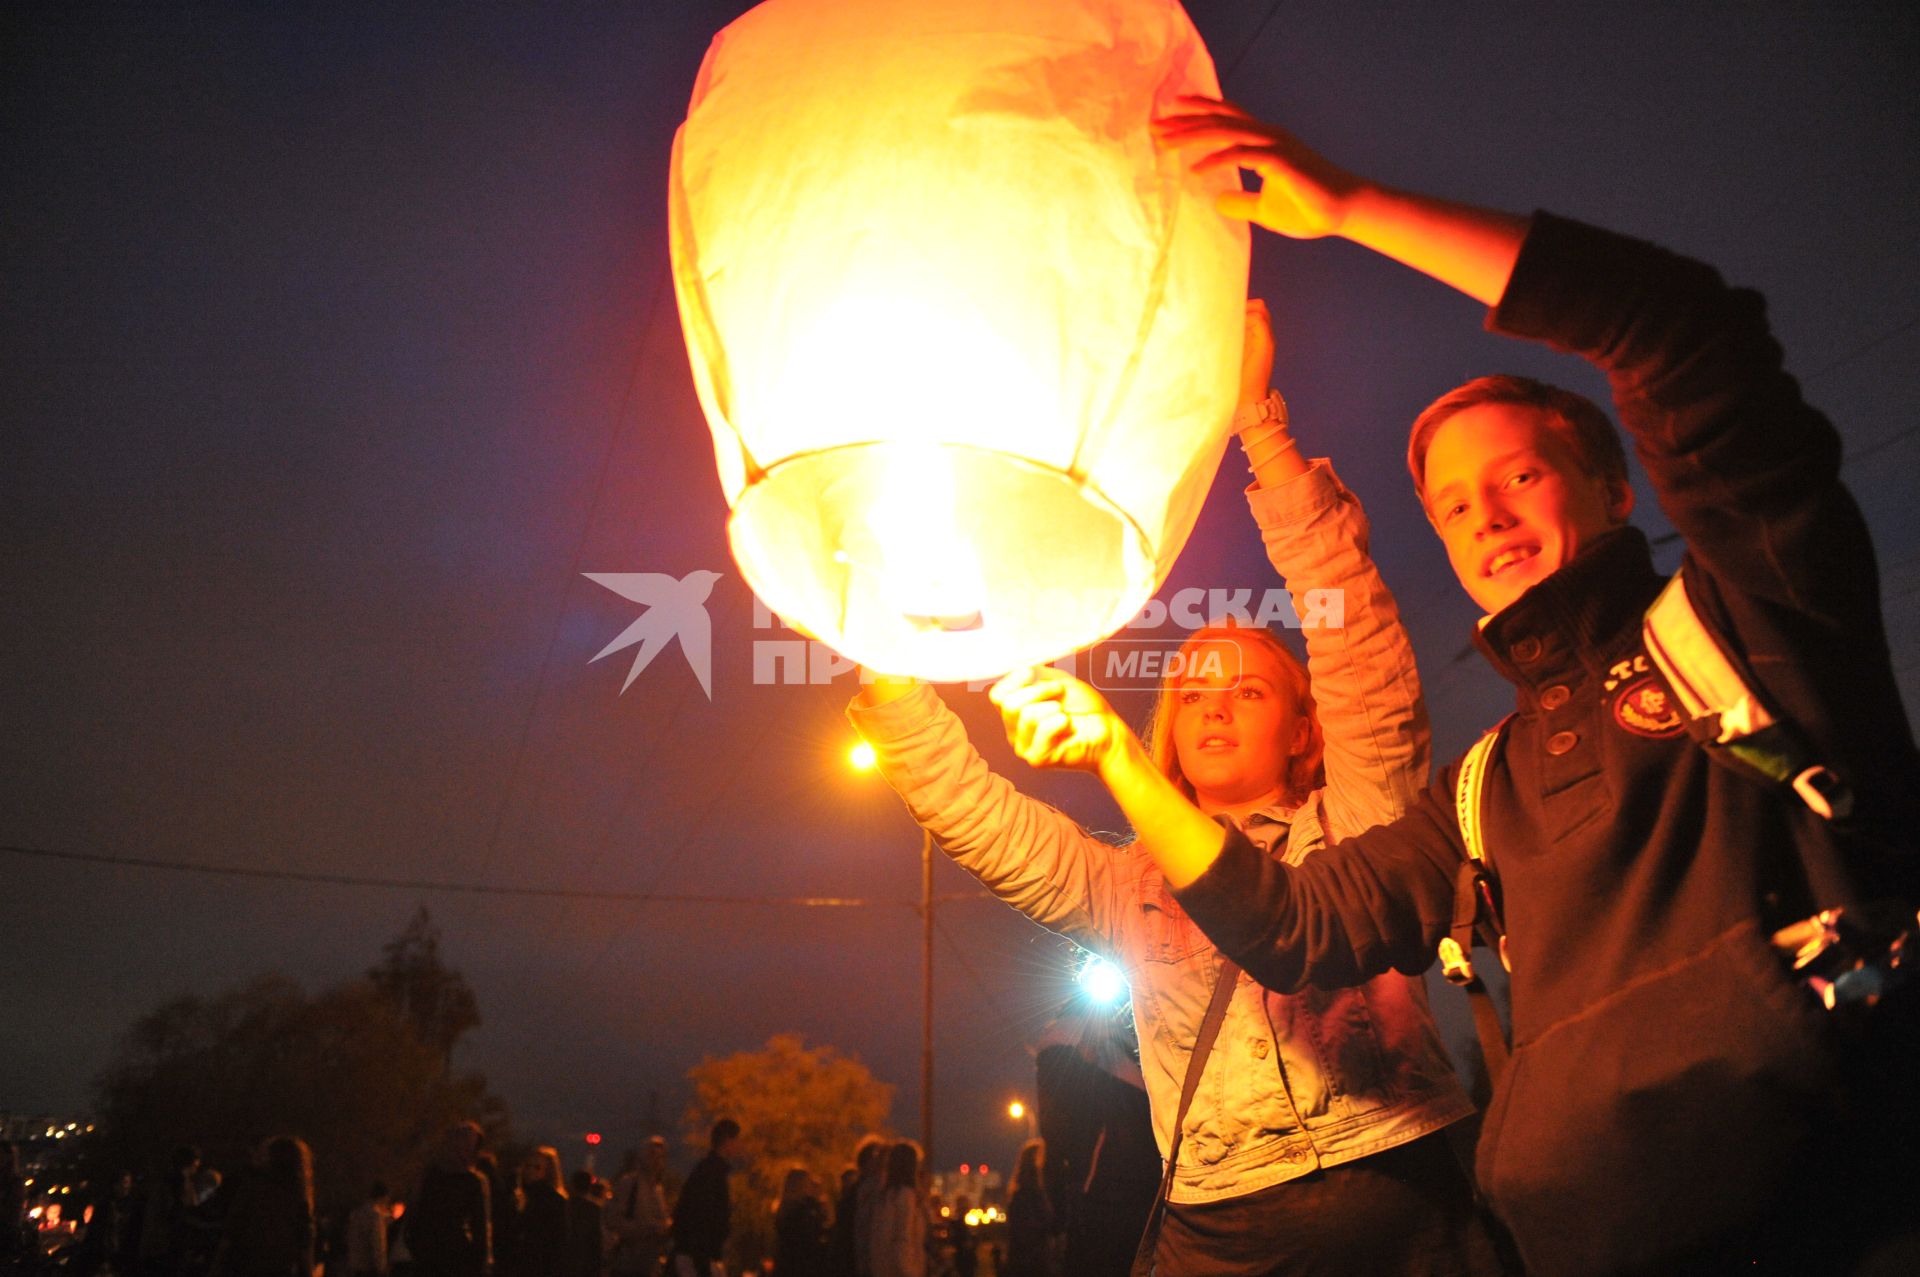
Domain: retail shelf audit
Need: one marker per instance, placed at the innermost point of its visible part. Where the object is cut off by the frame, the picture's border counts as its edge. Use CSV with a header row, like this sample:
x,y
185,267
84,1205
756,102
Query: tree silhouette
x,y
348,1070
427,994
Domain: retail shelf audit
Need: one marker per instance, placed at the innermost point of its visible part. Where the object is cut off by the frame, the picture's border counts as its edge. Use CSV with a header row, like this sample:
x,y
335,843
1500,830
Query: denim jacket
x,y
1295,1081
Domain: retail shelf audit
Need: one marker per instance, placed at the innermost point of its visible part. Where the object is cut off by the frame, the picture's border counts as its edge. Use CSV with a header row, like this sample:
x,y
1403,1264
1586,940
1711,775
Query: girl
x,y
1312,1144
900,1217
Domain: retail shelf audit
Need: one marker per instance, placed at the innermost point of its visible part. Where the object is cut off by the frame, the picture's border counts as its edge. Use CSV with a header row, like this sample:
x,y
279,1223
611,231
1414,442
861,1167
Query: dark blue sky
x,y
337,346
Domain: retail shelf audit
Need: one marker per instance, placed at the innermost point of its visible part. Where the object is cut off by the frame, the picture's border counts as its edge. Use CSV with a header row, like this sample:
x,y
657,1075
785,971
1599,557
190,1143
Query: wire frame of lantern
x,y
966,339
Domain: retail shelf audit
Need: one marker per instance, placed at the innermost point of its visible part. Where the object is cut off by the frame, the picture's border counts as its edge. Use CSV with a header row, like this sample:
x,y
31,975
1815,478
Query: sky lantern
x,y
966,339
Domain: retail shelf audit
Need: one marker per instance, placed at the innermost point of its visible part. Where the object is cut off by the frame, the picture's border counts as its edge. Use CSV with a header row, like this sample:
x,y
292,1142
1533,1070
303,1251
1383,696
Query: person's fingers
x,y
1201,102
1020,728
1050,739
1010,682
1040,724
1261,159
1020,698
1192,130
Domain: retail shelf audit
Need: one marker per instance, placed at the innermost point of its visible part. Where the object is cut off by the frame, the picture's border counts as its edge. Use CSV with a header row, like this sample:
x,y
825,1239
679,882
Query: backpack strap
x,y
1223,987
1476,902
1725,714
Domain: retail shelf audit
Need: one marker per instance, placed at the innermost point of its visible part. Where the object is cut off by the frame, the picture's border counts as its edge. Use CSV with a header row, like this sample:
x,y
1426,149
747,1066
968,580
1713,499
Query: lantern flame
x,y
925,568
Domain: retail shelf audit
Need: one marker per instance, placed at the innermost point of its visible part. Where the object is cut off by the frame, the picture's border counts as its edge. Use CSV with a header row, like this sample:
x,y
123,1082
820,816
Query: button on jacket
x,y
1296,1081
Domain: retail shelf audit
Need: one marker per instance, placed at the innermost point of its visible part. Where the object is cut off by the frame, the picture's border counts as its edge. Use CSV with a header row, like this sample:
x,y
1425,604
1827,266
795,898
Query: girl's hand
x,y
1302,195
1256,352
1054,720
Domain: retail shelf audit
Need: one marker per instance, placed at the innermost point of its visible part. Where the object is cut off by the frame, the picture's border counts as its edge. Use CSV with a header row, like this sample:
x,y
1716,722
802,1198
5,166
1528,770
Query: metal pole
x,y
926,997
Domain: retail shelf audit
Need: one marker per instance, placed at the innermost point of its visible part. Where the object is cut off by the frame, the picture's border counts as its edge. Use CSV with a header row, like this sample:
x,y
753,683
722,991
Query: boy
x,y
1676,1100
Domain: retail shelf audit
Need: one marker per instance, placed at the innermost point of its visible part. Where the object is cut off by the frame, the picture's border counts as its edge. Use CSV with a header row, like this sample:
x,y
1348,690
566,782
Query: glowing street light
x,y
1100,981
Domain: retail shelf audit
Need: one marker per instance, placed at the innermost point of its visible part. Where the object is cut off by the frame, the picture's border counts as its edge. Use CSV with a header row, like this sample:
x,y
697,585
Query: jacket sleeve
x,y
1376,902
1029,854
1366,689
1748,473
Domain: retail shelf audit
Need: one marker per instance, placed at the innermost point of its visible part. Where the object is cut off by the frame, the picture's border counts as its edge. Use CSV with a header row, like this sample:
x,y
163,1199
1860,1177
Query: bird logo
x,y
676,608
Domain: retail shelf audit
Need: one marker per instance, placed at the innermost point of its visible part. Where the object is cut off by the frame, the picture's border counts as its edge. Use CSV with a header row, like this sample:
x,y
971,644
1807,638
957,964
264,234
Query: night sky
x,y
338,345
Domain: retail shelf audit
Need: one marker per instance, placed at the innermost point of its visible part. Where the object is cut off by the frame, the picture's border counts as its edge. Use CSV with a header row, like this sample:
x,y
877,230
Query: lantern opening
x,y
906,525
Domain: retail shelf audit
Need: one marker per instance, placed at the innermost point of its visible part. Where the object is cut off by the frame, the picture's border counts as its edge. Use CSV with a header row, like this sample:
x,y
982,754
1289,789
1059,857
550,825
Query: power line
x,y
614,437
1252,40
1865,348
468,888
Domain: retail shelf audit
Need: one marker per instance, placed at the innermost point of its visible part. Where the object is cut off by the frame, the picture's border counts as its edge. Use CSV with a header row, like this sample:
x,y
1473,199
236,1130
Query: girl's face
x,y
535,1170
1234,725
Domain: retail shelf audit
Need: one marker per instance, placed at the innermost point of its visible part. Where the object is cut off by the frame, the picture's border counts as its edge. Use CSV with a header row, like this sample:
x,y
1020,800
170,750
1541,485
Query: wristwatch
x,y
1248,415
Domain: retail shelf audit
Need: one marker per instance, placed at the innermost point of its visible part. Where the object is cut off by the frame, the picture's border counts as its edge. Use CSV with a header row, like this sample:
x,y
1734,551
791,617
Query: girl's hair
x,y
289,1162
903,1165
548,1156
1026,1172
1305,771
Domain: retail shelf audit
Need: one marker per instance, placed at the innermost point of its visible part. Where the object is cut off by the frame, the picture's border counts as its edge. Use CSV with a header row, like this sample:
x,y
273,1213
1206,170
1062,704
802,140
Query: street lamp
x,y
1018,1111
861,758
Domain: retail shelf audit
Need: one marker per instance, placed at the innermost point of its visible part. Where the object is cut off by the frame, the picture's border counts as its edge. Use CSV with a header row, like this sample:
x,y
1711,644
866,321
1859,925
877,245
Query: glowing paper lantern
x,y
967,340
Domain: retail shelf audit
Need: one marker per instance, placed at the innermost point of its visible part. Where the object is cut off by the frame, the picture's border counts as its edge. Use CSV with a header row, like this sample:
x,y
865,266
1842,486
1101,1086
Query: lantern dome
x,y
967,340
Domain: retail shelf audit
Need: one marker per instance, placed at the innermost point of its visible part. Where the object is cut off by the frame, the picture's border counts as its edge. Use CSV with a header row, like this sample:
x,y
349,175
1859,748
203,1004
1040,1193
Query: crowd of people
x,y
467,1217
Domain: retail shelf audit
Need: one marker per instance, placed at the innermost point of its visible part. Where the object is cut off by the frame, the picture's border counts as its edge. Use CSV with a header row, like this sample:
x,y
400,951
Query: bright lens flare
x,y
861,757
1016,1110
1101,981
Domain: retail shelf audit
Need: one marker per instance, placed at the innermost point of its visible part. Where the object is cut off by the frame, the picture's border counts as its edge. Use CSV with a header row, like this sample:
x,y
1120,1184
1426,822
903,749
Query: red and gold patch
x,y
1646,708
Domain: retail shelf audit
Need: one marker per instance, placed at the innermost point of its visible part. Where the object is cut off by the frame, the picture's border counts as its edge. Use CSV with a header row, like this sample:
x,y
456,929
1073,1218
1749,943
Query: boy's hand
x,y
1055,720
1302,194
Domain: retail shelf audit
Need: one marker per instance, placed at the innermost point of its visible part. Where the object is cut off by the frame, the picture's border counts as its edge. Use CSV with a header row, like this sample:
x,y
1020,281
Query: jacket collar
x,y
1575,617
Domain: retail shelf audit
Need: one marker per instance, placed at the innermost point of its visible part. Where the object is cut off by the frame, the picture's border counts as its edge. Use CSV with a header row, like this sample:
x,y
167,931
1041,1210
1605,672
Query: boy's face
x,y
1511,500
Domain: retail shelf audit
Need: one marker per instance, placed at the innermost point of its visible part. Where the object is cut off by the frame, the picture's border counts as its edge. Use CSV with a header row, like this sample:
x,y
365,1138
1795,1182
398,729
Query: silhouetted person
x,y
586,1252
847,1246
109,1239
367,1233
1029,1217
166,1232
269,1227
13,1204
800,1227
540,1233
900,1220
448,1225
637,1214
1102,1167
703,1216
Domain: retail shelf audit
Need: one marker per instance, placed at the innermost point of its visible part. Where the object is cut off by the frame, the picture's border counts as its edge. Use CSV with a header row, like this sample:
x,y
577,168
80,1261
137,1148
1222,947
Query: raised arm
x,y
1748,473
1027,853
1366,688
1305,196
1344,915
